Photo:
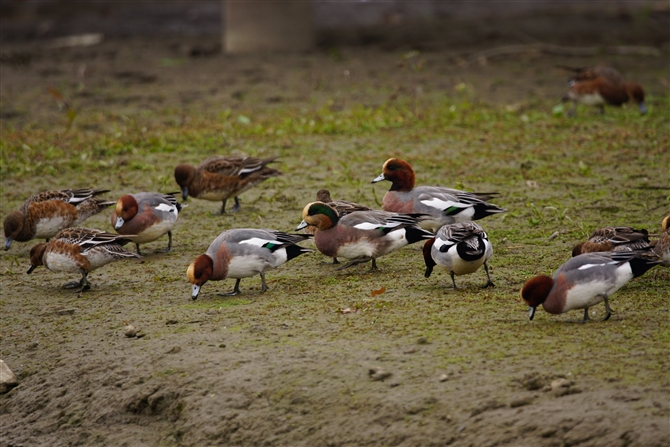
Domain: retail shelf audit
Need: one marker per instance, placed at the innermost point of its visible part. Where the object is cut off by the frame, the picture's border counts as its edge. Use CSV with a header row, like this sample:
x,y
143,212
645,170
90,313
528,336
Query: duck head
x,y
13,227
37,256
399,173
535,291
319,215
126,209
184,175
199,273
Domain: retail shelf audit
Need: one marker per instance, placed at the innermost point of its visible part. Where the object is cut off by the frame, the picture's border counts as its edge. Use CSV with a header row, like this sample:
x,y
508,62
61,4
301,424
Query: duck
x,y
80,250
586,280
147,216
661,246
613,239
220,178
44,214
242,253
443,205
601,85
460,248
361,236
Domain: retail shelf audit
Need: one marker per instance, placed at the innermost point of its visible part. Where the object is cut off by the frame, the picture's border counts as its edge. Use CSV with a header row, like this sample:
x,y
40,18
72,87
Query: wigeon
x,y
597,86
360,236
220,178
586,280
242,253
147,216
79,250
662,244
341,206
613,239
443,205
460,248
46,213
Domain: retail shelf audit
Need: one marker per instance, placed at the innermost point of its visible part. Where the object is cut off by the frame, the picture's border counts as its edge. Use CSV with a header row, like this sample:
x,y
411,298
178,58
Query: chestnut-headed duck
x,y
147,216
613,239
597,86
220,178
361,236
242,253
460,248
662,244
46,213
79,250
586,280
443,205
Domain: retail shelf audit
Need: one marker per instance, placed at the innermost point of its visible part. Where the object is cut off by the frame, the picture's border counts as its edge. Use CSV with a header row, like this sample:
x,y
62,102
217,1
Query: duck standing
x,y
79,250
460,248
242,253
597,86
360,236
586,280
443,205
46,213
220,178
147,216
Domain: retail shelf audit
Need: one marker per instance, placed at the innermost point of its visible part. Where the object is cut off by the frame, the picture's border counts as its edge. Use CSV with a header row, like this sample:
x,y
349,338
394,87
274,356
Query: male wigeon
x,y
242,253
79,250
662,244
586,280
460,248
443,205
613,239
147,216
597,86
220,178
46,213
360,236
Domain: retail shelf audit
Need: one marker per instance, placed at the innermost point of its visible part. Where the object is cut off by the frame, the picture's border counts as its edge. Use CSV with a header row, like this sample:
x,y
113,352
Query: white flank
x,y
49,227
155,231
590,293
280,256
57,262
246,266
97,257
593,99
360,249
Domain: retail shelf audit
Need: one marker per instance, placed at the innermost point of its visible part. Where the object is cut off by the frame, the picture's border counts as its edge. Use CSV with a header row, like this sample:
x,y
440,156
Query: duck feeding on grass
x,y
79,250
586,280
459,248
360,236
613,239
443,206
220,178
242,253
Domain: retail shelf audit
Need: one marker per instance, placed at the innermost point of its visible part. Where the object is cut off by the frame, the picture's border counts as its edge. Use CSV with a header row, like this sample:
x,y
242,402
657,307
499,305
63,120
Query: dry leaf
x,y
378,292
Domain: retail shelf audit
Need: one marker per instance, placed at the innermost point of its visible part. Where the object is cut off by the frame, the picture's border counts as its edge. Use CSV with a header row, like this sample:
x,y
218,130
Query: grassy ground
x,y
289,367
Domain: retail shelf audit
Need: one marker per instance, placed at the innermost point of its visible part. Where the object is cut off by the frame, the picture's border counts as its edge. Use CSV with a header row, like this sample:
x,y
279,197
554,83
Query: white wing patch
x,y
443,204
372,226
588,266
167,208
257,241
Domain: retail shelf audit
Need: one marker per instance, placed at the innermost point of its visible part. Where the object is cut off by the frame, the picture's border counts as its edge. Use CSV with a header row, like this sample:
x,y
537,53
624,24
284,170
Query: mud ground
x,y
297,366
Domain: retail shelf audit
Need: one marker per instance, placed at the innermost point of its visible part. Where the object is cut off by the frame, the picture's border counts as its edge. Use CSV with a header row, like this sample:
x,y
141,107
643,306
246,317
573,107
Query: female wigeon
x,y
460,248
662,244
79,250
147,216
443,205
220,178
45,214
613,239
242,253
586,280
360,236
597,86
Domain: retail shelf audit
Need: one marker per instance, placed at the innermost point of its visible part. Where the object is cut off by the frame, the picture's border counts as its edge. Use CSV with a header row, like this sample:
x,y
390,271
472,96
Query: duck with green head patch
x,y
361,236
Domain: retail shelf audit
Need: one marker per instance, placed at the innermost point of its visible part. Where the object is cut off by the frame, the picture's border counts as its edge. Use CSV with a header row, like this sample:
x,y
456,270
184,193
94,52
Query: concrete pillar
x,y
267,25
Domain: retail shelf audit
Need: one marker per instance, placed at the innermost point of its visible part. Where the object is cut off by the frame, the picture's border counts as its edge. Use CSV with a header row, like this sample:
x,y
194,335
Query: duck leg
x,y
335,261
356,262
169,247
373,267
608,310
586,315
264,286
138,249
451,273
83,283
489,283
236,289
236,207
223,206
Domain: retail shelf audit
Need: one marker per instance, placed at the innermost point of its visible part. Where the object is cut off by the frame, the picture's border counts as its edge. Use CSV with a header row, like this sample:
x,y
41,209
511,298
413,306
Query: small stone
x,y
8,379
174,350
521,402
378,374
560,383
222,345
422,341
171,321
68,311
130,331
443,378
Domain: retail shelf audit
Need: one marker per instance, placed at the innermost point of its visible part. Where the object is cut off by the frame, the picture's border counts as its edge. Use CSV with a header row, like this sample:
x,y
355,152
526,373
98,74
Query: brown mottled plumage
x,y
613,239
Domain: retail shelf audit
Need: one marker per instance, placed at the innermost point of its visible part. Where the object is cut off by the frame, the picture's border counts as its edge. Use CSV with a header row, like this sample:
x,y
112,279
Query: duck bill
x,y
8,243
643,108
531,312
302,225
379,179
119,223
195,292
184,192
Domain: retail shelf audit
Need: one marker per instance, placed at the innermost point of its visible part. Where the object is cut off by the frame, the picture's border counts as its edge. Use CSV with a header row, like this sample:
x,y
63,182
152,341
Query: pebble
x,y
443,378
130,331
8,379
377,374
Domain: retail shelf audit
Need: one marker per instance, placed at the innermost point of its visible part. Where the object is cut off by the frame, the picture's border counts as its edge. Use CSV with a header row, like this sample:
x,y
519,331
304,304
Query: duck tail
x,y
486,209
415,234
293,251
643,261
